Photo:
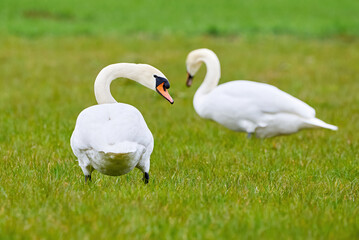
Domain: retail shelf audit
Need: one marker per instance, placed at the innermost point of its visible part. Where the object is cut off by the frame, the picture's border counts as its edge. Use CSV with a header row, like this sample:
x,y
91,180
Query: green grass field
x,y
206,181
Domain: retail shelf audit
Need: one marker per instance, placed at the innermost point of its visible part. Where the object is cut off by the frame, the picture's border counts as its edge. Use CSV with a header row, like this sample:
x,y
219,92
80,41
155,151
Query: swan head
x,y
162,84
194,62
152,78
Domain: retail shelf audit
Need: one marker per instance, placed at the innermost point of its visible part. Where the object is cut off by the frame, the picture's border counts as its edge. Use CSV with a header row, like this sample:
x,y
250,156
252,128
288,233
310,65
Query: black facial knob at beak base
x,y
160,80
189,80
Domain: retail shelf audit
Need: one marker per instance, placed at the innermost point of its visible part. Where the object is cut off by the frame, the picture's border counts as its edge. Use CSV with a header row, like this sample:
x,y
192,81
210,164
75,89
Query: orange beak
x,y
163,91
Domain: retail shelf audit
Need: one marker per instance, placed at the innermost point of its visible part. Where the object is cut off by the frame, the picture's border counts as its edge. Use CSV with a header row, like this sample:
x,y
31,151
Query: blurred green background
x,y
229,17
206,182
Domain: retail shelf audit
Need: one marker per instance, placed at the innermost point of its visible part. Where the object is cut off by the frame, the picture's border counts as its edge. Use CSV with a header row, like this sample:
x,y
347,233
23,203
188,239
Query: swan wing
x,y
264,97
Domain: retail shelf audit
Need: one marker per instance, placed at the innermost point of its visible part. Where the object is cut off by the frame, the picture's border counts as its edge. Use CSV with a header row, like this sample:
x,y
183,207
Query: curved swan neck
x,y
213,73
135,72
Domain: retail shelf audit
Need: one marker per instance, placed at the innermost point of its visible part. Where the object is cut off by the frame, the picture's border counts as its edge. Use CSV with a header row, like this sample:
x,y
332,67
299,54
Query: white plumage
x,y
112,137
247,106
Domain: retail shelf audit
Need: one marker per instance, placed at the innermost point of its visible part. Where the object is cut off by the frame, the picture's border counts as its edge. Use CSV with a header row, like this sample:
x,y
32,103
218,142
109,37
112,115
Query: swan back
x,y
267,98
101,126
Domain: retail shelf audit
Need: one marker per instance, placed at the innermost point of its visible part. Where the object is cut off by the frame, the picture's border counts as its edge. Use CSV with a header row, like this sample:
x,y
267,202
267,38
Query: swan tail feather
x,y
315,122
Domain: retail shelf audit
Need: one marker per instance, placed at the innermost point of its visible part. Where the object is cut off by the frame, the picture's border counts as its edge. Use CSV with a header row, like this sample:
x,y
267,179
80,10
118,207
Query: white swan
x,y
247,106
112,137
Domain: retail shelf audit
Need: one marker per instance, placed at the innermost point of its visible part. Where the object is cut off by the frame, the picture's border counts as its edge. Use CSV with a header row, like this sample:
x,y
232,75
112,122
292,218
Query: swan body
x,y
113,138
247,106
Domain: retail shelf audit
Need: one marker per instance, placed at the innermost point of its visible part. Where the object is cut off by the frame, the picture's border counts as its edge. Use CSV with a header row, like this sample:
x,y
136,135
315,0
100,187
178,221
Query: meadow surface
x,y
206,181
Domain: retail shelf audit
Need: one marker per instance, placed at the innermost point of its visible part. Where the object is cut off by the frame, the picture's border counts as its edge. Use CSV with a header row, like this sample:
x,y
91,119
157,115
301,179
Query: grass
x,y
160,17
206,182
